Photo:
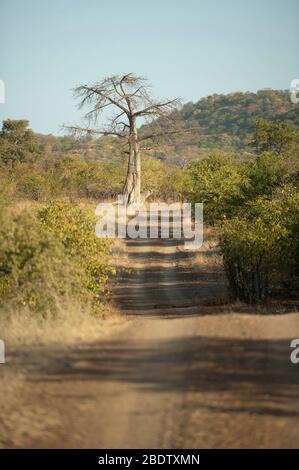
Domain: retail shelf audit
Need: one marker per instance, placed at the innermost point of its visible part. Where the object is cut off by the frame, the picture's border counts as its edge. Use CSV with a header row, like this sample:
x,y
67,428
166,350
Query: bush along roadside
x,y
260,247
52,256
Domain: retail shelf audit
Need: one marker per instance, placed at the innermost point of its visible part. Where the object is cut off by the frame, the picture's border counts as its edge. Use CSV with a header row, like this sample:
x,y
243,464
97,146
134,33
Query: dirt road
x,y
183,371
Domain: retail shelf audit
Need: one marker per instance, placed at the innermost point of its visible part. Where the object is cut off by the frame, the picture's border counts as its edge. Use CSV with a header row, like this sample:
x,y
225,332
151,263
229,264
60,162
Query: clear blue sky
x,y
187,48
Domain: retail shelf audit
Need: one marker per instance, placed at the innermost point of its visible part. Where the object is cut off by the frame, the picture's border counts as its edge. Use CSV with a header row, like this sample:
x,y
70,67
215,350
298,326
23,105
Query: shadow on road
x,y
163,282
257,372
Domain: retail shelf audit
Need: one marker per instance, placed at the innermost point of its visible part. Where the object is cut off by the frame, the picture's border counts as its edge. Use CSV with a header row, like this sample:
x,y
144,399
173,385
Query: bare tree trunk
x,y
133,180
128,95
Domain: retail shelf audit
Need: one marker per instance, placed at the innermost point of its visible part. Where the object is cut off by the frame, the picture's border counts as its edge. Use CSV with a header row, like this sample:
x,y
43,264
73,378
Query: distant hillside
x,y
227,120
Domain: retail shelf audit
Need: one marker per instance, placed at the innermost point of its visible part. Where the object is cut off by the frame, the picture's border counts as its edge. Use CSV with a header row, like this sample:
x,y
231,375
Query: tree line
x,y
251,201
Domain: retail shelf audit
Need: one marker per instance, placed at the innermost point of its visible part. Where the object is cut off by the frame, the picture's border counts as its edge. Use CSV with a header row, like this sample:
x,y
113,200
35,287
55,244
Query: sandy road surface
x,y
182,372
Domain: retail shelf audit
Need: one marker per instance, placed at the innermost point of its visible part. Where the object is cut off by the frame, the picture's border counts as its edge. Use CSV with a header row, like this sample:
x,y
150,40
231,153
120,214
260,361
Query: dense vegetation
x,y
260,247
227,123
228,120
255,206
49,256
49,186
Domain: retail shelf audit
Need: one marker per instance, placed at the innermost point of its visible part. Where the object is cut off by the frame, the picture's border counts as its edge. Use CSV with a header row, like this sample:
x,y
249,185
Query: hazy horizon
x,y
189,49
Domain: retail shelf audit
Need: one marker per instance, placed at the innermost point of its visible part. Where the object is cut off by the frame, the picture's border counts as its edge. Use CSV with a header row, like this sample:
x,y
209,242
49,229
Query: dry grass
x,y
119,255
207,257
74,323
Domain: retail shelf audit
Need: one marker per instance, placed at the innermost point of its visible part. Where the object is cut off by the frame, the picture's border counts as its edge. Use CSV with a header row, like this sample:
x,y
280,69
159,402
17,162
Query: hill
x,y
228,120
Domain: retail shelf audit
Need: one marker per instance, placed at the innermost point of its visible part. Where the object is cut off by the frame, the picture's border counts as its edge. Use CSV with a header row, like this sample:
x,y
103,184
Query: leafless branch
x,y
86,130
127,93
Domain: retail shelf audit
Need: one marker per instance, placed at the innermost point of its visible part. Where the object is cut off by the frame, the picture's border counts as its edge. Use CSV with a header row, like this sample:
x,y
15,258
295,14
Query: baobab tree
x,y
122,102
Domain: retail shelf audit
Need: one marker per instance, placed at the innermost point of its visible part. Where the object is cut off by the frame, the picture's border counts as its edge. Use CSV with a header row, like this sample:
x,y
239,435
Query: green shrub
x,y
7,188
218,182
74,177
164,182
74,226
153,175
175,185
265,173
260,251
34,271
48,259
32,182
18,143
105,180
274,136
